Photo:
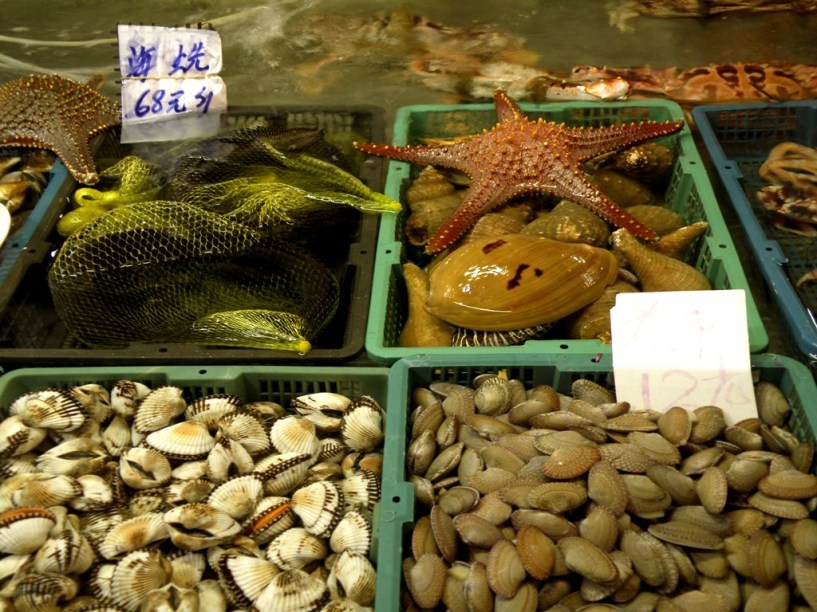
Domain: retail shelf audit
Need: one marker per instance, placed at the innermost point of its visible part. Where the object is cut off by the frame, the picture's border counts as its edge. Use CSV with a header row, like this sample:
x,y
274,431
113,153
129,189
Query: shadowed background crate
x,y
397,516
689,193
739,138
31,333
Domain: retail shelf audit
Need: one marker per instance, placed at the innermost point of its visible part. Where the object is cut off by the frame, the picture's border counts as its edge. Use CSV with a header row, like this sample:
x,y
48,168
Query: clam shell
x,y
789,484
296,548
767,561
243,577
136,575
782,508
159,409
570,462
362,428
187,491
606,487
228,458
558,497
69,552
17,438
73,457
686,534
43,490
675,425
237,496
587,559
319,506
517,281
772,405
126,395
536,551
185,441
493,396
425,579
505,569
712,488
293,590
353,532
804,538
295,434
600,526
133,534
681,488
44,592
805,576
476,530
356,576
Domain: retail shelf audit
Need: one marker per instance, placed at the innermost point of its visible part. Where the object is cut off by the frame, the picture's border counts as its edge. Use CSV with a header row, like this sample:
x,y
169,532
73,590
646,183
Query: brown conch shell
x,y
570,222
517,281
421,328
677,243
431,199
593,321
623,190
660,219
656,271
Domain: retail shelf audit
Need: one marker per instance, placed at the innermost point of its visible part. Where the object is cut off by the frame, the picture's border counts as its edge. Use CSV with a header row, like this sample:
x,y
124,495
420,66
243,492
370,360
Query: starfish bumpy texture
x,y
520,156
58,114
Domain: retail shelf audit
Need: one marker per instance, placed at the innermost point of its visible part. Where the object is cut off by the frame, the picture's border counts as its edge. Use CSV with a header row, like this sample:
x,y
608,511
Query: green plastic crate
x,y
556,370
689,193
251,383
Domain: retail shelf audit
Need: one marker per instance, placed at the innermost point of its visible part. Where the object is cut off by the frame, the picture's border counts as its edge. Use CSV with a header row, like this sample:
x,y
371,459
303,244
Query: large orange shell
x,y
517,280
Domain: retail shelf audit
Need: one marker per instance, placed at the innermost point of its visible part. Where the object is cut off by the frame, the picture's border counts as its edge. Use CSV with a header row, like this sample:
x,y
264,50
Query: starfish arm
x,y
507,111
478,200
588,142
447,156
579,189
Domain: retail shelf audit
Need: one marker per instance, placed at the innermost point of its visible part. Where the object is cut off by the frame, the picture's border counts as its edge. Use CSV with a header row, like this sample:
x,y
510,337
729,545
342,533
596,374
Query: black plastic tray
x,y
32,335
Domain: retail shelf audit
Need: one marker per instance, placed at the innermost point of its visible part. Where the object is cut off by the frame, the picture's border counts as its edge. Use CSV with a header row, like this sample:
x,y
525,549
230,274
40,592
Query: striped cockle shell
x,y
184,441
237,496
188,568
516,281
353,532
73,457
44,592
68,552
190,491
126,395
210,408
147,501
54,409
361,490
136,575
245,429
296,548
97,492
144,468
362,428
196,526
355,576
41,489
282,472
332,450
244,577
116,436
319,506
228,458
295,434
159,409
133,534
293,590
272,516
325,409
17,438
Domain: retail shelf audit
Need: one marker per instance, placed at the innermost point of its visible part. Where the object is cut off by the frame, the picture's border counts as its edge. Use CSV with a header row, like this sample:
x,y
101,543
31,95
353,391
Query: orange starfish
x,y
520,156
58,114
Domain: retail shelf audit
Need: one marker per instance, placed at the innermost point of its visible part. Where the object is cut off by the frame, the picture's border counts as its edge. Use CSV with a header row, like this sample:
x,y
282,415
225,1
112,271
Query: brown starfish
x,y
58,114
519,156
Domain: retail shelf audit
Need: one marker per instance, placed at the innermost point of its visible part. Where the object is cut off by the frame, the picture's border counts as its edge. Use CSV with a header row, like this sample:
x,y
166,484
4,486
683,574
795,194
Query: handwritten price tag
x,y
685,348
170,87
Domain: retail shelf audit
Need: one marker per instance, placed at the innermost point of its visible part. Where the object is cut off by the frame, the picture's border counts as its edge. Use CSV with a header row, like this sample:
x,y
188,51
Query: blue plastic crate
x,y
739,138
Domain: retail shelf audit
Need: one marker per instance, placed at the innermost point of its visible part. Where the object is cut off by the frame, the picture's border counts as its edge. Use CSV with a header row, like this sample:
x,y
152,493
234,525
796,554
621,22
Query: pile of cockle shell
x,y
132,498
528,499
528,265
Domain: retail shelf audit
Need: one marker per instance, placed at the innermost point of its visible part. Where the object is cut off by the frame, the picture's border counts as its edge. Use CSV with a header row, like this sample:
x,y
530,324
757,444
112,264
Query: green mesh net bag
x,y
174,272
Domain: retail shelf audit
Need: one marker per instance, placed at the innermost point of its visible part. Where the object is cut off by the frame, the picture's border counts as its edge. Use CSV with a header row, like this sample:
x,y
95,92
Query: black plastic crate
x,y
31,333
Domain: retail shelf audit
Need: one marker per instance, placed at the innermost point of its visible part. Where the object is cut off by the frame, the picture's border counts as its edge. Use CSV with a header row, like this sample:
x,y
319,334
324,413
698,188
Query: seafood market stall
x,y
335,307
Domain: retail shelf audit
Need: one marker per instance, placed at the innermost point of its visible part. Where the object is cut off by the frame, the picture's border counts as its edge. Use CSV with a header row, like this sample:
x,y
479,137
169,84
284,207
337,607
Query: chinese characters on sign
x,y
170,83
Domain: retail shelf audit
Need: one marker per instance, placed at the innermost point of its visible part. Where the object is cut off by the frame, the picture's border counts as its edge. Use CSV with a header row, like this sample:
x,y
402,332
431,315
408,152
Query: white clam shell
x,y
356,576
272,516
136,575
296,548
283,472
25,530
295,434
185,440
246,430
126,395
52,409
133,534
362,428
319,506
159,409
197,526
353,532
144,468
17,438
244,578
293,590
237,496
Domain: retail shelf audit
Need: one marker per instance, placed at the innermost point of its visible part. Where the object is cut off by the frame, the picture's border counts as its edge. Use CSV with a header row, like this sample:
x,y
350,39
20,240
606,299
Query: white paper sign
x,y
683,348
170,87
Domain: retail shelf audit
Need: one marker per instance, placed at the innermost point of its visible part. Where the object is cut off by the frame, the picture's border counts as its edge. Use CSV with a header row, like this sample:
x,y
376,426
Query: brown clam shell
x,y
517,281
537,552
570,461
789,484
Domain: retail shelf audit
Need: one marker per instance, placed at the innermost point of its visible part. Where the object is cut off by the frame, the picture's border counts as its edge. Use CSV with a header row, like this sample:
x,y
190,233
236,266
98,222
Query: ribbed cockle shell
x,y
516,281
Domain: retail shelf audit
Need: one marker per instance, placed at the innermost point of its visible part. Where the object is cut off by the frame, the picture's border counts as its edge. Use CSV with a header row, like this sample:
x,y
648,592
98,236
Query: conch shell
x,y
516,281
656,271
431,199
593,321
570,222
421,328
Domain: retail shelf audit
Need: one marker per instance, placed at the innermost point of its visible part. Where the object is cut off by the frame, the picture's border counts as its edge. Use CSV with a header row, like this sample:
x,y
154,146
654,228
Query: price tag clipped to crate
x,y
170,84
683,348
